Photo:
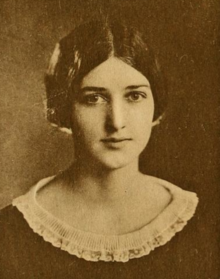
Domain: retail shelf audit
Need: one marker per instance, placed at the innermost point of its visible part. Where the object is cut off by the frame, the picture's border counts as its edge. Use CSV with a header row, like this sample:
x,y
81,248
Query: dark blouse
x,y
24,254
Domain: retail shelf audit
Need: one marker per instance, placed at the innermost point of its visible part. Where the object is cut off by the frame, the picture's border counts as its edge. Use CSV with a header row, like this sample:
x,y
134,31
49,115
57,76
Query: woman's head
x,y
112,115
88,46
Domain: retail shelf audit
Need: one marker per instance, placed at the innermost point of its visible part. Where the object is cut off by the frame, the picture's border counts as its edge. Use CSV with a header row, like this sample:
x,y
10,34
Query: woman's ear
x,y
157,121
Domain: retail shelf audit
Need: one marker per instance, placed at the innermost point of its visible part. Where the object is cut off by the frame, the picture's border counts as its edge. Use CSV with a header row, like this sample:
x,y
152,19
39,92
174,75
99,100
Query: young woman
x,y
105,87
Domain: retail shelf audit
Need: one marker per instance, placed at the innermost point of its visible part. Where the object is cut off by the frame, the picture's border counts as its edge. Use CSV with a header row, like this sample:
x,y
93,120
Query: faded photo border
x,y
183,149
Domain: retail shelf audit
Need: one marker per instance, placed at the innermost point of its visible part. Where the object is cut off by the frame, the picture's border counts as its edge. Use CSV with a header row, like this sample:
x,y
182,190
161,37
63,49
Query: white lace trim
x,y
120,248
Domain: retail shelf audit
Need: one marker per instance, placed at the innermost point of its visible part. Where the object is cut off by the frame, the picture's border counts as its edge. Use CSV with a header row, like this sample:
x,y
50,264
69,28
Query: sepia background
x,y
184,148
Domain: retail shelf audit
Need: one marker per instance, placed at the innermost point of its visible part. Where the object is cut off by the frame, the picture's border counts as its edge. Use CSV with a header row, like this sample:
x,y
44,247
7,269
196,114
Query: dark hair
x,y
87,46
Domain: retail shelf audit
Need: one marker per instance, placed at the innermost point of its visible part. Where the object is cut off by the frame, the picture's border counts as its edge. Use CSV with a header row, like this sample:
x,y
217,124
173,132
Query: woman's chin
x,y
113,163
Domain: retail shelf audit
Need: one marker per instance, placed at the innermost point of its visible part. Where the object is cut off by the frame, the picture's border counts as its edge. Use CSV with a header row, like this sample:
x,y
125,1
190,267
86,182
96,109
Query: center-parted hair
x,y
86,47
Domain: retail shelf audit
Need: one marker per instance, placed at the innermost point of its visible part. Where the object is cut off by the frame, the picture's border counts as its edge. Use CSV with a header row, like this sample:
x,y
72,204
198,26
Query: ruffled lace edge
x,y
122,254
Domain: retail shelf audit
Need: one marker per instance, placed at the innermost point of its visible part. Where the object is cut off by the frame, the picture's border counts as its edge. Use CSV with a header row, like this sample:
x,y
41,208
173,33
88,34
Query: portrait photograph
x,y
109,139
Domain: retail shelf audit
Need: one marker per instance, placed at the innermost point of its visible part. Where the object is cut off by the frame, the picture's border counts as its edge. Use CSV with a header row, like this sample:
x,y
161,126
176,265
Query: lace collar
x,y
120,248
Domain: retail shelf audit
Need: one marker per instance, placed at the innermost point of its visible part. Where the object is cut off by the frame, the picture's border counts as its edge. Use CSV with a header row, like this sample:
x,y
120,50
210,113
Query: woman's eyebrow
x,y
93,88
137,86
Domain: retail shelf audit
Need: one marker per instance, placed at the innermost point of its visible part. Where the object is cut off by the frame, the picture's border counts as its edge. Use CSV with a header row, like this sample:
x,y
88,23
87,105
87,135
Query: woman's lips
x,y
116,143
116,139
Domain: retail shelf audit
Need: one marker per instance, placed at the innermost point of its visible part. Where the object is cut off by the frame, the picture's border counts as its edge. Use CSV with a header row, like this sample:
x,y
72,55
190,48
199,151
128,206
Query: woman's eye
x,y
136,96
94,99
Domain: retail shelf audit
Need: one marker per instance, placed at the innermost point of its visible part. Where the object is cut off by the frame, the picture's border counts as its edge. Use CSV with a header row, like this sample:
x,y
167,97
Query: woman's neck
x,y
104,201
102,184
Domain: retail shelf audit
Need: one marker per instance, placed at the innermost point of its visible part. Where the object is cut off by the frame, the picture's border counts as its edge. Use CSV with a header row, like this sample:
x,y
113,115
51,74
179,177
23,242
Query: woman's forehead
x,y
114,72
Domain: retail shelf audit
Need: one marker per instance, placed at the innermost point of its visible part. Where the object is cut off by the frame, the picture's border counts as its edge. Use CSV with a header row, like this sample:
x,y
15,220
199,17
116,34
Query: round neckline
x,y
39,186
93,246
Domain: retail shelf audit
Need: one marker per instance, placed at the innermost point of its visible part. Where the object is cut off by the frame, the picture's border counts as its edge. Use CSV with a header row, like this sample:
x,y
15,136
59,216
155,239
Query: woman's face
x,y
112,114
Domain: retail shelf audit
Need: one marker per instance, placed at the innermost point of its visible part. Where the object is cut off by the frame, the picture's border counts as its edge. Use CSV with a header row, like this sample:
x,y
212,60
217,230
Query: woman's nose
x,y
116,116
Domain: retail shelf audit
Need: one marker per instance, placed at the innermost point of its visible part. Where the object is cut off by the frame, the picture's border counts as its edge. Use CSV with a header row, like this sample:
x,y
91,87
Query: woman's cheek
x,y
143,127
88,122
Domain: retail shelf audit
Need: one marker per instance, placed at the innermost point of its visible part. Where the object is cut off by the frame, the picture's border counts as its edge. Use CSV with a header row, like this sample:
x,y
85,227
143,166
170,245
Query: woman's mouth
x,y
116,143
116,139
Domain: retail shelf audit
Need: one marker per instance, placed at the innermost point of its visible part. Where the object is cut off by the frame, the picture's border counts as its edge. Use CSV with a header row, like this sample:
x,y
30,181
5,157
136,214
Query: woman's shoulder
x,y
174,190
9,215
13,231
12,225
183,203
